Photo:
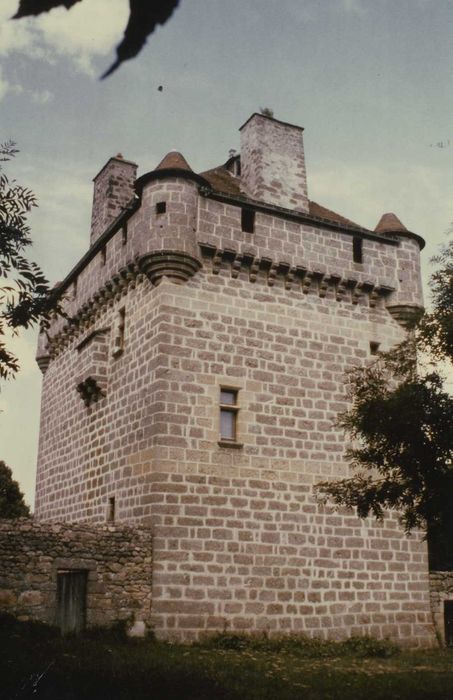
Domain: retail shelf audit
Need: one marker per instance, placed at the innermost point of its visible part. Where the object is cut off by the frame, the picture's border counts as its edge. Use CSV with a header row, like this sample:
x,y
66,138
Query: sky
x,y
370,80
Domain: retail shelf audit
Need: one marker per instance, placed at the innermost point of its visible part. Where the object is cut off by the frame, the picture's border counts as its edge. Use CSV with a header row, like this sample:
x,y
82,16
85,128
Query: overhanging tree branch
x,y
25,297
144,17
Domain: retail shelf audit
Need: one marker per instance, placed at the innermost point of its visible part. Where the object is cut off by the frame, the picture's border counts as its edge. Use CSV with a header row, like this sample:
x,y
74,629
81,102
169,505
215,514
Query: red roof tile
x,y
389,223
221,180
321,212
173,161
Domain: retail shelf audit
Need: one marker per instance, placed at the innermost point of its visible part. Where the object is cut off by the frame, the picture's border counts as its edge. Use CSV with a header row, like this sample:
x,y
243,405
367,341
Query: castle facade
x,y
193,385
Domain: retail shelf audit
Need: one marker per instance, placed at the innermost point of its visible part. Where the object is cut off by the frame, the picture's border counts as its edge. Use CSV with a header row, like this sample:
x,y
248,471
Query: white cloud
x,y
41,97
90,29
6,87
14,36
37,96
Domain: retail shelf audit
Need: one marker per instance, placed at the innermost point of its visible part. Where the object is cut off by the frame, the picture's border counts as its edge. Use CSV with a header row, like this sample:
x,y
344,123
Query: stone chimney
x,y
273,163
113,190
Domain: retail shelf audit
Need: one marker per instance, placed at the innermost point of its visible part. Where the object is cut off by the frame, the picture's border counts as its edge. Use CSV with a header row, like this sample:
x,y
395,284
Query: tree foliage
x,y
12,503
436,328
144,17
400,425
24,292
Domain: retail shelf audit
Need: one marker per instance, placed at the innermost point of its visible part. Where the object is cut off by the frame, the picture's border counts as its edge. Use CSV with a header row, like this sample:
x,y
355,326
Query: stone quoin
x,y
193,386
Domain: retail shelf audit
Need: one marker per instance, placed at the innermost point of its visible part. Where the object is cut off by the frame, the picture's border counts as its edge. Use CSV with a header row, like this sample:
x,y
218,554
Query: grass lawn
x,y
36,663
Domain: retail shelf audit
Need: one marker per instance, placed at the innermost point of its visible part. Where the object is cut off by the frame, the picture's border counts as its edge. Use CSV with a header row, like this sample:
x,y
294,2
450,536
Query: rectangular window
x,y
228,414
124,234
161,207
374,348
248,220
103,255
357,249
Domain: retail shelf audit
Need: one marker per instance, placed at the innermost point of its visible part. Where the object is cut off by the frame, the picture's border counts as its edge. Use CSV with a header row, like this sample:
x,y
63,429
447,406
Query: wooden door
x,y
71,601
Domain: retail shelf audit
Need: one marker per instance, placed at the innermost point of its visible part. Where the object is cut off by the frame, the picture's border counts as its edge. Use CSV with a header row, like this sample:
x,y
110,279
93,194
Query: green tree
x,y
12,503
436,329
400,424
25,297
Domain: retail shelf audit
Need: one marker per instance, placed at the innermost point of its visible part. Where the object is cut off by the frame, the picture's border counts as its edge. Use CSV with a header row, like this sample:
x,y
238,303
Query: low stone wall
x,y
118,562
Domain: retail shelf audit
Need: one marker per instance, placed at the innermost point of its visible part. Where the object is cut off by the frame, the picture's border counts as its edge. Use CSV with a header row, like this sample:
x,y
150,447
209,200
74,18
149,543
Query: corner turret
x,y
169,196
405,304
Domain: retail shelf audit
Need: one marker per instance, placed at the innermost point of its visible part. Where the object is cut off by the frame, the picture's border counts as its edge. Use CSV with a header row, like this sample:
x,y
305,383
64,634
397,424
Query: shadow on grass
x,y
36,662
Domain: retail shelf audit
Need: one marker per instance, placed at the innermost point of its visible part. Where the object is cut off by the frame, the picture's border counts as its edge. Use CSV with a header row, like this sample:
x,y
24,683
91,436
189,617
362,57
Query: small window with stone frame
x,y
247,220
229,410
357,249
161,207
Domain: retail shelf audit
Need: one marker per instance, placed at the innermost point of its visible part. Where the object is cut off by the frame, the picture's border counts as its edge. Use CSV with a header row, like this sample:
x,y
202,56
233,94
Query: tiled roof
x,y
173,160
321,212
221,180
389,223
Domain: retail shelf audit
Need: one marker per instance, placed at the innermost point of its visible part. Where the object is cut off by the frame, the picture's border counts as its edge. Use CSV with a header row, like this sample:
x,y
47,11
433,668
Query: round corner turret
x,y
405,304
169,205
43,352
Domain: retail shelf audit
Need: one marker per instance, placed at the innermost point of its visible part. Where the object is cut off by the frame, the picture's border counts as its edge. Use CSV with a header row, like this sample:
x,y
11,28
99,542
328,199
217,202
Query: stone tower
x,y
194,384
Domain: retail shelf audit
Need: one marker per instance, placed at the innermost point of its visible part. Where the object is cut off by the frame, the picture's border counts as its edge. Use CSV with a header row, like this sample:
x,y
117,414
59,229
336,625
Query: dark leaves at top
x,y
144,17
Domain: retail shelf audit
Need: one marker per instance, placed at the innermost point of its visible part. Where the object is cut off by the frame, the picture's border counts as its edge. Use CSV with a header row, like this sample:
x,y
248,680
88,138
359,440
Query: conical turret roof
x,y
174,161
389,223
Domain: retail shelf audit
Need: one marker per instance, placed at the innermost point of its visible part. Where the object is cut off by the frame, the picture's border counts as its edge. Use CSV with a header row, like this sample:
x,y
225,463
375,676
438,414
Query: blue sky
x,y
370,80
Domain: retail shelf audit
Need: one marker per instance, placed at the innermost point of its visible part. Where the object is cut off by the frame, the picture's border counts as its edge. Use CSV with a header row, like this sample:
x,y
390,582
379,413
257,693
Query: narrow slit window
x,y
228,414
248,220
124,234
103,255
357,249
111,510
161,207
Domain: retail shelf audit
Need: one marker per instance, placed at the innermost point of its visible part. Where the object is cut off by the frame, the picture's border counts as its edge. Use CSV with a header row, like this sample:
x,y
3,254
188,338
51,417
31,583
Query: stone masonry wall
x,y
118,561
239,539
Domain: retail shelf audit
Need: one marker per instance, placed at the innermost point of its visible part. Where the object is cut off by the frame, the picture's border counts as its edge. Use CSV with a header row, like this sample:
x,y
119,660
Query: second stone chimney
x,y
273,163
113,190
